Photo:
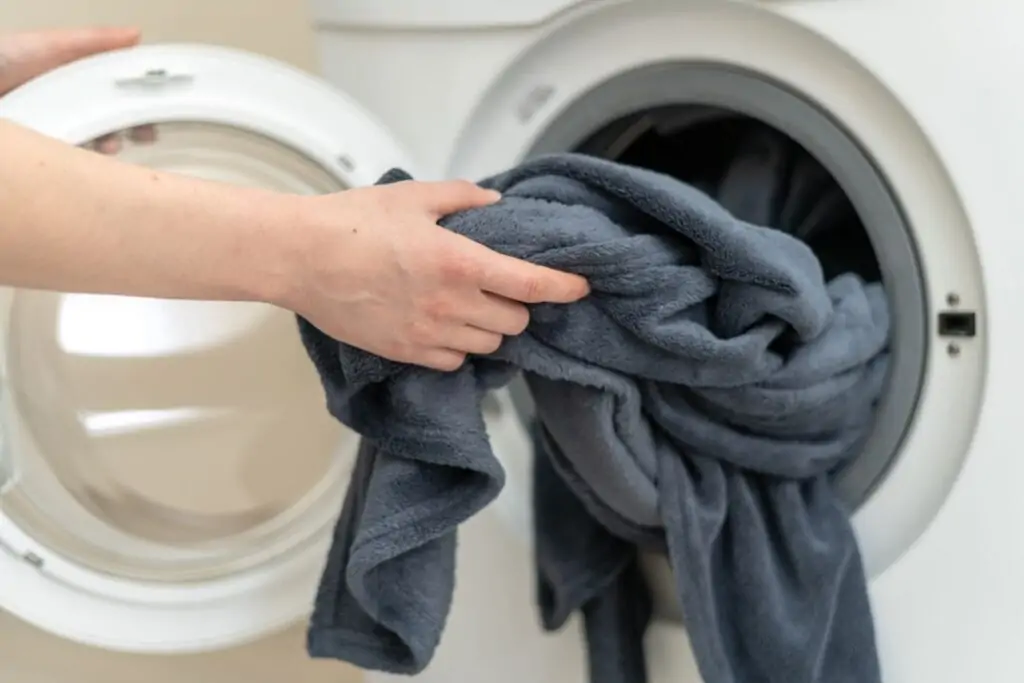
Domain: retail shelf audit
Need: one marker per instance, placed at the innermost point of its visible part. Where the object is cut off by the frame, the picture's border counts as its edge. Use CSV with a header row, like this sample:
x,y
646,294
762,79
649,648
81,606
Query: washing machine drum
x,y
832,153
169,474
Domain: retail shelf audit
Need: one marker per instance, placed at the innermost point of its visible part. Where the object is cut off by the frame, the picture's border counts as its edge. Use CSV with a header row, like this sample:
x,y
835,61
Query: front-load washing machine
x,y
910,107
905,103
169,476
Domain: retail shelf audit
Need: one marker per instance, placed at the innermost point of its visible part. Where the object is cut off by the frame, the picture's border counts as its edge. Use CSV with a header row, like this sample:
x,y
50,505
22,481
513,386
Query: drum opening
x,y
692,120
686,119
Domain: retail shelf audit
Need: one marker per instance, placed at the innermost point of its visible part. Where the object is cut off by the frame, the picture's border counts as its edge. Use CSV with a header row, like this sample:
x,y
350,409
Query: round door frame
x,y
550,76
194,83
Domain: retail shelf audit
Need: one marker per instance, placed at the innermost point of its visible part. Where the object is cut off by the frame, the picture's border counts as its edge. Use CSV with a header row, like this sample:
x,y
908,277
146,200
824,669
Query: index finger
x,y
450,196
529,283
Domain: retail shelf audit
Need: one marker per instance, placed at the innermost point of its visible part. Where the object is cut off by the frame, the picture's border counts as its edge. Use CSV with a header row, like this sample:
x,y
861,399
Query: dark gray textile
x,y
695,402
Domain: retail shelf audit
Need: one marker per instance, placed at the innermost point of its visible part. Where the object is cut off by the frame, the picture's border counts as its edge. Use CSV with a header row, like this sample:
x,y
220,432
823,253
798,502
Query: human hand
x,y
377,272
24,56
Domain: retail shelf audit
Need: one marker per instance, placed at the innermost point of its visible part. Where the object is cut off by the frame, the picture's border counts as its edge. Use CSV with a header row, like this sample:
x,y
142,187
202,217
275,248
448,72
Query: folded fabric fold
x,y
696,403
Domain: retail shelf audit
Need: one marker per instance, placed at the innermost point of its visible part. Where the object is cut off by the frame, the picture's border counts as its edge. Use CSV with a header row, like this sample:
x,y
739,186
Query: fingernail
x,y
495,195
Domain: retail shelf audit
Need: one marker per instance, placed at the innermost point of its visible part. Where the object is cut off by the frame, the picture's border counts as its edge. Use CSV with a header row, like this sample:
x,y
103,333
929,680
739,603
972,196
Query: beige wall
x,y
277,28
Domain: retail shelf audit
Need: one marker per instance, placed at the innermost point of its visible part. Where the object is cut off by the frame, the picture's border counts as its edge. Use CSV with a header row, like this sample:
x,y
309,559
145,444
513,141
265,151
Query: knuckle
x,y
492,344
421,332
533,287
438,308
450,362
459,272
456,268
520,321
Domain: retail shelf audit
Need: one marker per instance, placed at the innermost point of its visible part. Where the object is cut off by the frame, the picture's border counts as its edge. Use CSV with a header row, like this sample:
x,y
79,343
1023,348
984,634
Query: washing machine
x,y
909,106
169,476
135,520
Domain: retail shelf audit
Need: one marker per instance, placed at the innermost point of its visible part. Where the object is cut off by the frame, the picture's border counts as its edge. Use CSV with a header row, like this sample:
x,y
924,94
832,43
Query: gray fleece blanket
x,y
695,404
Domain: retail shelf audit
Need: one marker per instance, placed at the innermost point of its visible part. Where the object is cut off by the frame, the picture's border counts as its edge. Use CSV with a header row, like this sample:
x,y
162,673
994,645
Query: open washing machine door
x,y
169,474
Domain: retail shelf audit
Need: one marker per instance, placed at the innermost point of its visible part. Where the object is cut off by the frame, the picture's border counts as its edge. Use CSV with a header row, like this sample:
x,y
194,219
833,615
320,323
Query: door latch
x,y
155,79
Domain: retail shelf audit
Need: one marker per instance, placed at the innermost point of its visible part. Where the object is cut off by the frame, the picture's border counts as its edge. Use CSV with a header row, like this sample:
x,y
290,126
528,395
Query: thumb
x,y
24,56
528,283
450,196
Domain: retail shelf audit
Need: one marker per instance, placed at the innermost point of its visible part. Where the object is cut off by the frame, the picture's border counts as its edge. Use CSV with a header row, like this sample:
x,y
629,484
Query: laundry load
x,y
697,403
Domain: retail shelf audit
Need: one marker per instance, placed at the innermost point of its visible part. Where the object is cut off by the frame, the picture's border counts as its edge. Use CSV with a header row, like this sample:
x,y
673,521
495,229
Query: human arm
x,y
72,220
370,266
52,197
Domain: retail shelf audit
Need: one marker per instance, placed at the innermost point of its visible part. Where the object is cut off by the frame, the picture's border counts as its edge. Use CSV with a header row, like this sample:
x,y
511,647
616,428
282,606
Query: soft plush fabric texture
x,y
696,403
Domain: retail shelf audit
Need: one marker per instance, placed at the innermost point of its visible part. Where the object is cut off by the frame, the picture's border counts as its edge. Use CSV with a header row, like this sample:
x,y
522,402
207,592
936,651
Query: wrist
x,y
276,247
